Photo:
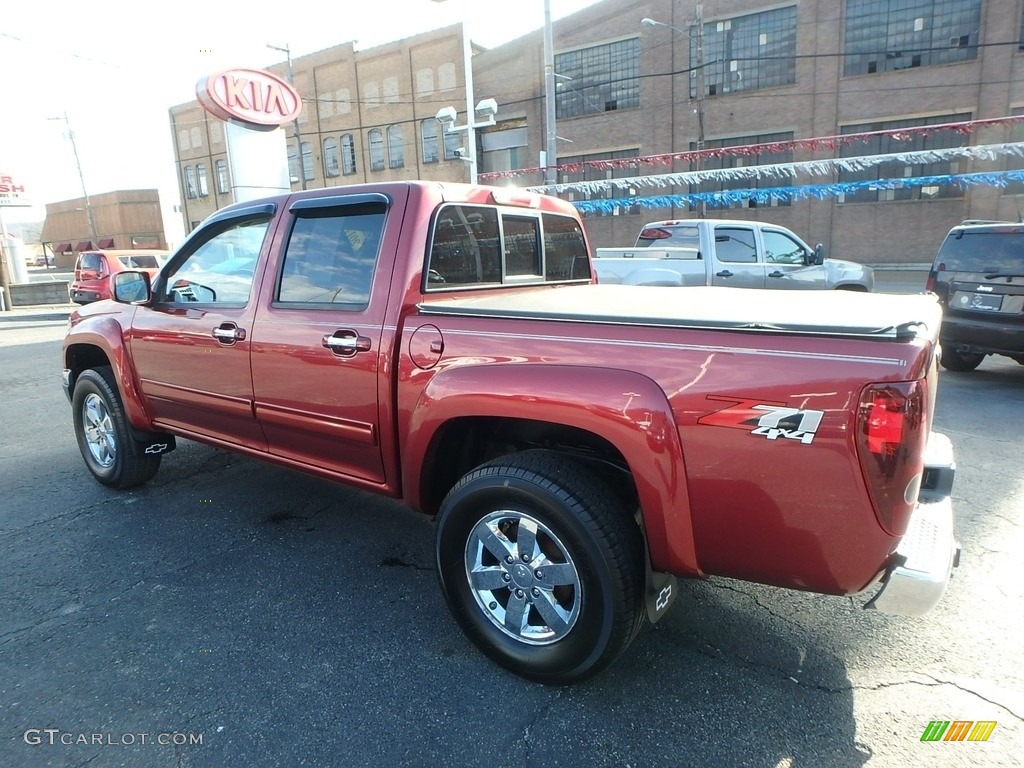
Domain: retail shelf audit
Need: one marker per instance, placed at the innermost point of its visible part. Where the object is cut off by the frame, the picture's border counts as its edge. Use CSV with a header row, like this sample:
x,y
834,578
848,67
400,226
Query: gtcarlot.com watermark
x,y
54,736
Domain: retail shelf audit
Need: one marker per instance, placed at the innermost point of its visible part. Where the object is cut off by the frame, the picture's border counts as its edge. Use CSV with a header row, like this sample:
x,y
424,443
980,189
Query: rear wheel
x,y
541,566
954,360
105,438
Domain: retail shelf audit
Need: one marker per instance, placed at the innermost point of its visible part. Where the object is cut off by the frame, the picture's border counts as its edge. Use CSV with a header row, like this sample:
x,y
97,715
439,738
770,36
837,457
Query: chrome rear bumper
x,y
928,552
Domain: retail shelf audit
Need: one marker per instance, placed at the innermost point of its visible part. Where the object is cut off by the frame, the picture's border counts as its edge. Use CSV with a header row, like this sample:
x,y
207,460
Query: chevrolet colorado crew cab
x,y
580,445
727,252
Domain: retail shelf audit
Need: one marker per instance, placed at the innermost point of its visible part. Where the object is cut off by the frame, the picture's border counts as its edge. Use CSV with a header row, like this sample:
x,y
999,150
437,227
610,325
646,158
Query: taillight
x,y
892,429
929,286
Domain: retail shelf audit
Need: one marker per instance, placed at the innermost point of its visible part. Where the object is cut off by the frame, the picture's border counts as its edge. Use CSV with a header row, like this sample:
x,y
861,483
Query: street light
x,y
81,179
287,51
486,109
699,69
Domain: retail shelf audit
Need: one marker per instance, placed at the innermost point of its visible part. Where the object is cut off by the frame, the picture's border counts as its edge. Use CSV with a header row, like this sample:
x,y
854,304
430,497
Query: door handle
x,y
723,273
776,273
346,343
228,333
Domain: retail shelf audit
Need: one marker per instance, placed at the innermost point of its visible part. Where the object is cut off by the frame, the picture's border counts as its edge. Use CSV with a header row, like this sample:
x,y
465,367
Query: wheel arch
x,y
469,415
103,344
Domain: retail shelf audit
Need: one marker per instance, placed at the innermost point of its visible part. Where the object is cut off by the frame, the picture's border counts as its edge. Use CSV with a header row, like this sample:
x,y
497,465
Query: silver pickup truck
x,y
727,252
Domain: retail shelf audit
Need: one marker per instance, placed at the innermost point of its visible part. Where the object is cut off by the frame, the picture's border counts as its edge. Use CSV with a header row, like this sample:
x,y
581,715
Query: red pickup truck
x,y
580,445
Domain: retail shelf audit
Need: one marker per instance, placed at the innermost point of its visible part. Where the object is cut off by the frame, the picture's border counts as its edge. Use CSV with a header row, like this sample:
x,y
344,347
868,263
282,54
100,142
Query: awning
x,y
107,243
85,245
62,248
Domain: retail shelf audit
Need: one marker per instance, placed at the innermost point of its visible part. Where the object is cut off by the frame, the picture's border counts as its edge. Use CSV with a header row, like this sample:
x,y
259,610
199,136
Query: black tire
x,y
961,362
586,611
111,452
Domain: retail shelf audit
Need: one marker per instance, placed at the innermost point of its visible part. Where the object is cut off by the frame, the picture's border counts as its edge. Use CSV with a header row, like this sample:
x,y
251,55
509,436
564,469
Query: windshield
x,y
988,251
140,261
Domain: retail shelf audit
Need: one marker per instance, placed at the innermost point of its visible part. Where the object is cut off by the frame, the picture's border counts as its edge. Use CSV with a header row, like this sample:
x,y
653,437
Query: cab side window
x,y
220,270
331,257
735,245
782,249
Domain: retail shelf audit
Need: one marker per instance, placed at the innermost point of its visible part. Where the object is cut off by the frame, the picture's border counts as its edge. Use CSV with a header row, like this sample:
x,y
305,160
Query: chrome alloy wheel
x,y
99,431
523,578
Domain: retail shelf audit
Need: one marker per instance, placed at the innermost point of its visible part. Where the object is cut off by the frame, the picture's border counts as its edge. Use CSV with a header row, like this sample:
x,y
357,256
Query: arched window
x,y
348,154
221,170
376,138
307,161
204,187
331,165
428,140
396,147
190,182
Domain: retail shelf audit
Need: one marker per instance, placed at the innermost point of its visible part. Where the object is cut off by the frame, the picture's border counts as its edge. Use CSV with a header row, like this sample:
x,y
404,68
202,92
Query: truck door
x,y
736,263
319,353
191,344
786,262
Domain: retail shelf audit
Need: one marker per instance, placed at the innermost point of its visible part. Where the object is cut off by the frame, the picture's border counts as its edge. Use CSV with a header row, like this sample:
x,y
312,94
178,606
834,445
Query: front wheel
x,y
541,566
105,438
953,360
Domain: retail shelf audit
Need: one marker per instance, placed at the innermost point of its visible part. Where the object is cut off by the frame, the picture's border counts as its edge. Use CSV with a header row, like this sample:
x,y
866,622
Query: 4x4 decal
x,y
771,420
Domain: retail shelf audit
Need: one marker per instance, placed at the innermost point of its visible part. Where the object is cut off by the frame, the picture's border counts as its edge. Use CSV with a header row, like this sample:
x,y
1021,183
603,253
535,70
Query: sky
x,y
116,67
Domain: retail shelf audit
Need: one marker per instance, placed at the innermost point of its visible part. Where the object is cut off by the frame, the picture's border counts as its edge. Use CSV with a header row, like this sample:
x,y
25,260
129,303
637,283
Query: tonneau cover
x,y
819,312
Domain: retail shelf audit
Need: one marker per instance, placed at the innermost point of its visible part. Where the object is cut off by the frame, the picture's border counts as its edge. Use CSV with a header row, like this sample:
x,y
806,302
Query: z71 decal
x,y
770,420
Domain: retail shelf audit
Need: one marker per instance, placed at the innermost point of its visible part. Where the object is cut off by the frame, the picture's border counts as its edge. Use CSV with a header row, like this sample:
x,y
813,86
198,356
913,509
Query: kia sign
x,y
253,98
12,191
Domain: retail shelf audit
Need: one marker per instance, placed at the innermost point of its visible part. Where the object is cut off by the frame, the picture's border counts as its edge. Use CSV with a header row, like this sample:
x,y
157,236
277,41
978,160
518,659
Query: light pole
x,y
698,41
487,108
81,178
551,137
287,51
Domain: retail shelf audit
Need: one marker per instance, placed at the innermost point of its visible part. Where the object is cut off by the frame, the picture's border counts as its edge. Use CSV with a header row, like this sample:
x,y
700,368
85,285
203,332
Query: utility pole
x,y
81,179
298,136
702,207
551,138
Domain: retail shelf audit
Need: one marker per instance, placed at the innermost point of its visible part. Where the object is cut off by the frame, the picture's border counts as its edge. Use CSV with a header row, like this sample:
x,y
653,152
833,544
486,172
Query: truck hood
x,y
830,313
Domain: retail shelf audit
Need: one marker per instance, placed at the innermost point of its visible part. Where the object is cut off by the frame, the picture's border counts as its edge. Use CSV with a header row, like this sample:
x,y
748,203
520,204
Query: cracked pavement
x,y
292,622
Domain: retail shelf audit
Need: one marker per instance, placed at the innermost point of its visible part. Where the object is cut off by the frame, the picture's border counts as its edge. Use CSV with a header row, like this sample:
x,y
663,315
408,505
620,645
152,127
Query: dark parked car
x,y
979,279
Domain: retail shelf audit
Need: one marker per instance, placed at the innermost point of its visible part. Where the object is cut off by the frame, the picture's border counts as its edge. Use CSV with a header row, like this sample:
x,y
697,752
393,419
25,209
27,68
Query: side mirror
x,y
131,287
819,254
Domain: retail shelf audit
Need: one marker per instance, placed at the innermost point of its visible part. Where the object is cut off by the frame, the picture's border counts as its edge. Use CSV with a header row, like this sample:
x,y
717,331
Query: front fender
x,y
628,410
105,334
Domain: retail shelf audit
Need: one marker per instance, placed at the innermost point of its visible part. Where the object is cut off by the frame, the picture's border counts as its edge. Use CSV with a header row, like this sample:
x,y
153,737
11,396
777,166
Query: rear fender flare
x,y
628,410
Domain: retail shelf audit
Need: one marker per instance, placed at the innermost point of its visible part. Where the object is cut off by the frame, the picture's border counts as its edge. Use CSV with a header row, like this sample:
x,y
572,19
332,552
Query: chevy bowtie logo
x,y
156,448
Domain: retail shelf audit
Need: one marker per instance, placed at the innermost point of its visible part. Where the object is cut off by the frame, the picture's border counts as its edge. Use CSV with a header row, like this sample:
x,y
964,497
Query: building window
x,y
886,35
396,148
204,187
428,140
307,161
452,144
746,53
736,161
293,165
190,182
591,173
599,79
503,150
332,166
916,142
221,169
348,154
376,139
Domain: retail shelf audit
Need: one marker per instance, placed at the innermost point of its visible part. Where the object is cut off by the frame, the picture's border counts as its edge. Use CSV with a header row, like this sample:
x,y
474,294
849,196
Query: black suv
x,y
979,279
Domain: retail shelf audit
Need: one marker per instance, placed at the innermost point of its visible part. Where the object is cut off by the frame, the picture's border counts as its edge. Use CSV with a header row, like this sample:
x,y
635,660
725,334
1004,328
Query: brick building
x,y
123,220
723,75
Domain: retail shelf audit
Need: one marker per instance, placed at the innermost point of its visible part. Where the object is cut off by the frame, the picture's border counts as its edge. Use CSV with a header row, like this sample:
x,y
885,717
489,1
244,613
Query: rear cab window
x,y
477,246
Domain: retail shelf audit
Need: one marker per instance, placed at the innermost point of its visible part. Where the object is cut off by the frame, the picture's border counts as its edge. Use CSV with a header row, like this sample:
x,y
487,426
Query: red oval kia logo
x,y
253,97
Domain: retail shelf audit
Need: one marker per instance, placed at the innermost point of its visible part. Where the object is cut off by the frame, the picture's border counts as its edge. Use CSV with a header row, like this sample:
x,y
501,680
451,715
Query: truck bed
x,y
872,316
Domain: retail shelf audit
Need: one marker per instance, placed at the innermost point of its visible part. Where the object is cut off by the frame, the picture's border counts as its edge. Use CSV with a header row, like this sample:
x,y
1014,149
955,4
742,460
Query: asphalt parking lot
x,y
233,613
